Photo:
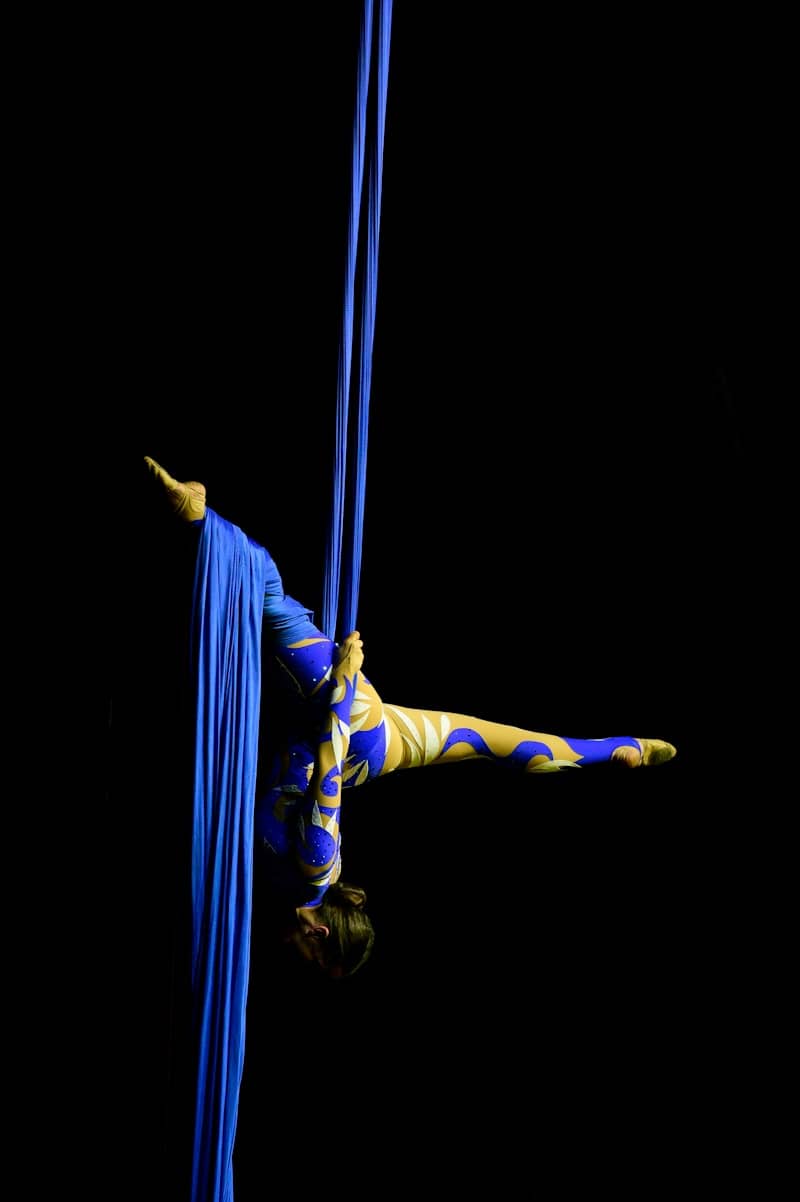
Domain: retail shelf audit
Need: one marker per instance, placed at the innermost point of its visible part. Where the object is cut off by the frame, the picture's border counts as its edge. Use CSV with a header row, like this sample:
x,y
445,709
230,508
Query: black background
x,y
559,492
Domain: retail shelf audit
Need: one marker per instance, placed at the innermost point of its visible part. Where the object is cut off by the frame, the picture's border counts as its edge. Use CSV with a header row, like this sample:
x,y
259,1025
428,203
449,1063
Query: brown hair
x,y
351,937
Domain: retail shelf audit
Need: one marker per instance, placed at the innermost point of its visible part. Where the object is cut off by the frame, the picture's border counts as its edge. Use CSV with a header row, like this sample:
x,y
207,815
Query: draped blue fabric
x,y
332,604
226,643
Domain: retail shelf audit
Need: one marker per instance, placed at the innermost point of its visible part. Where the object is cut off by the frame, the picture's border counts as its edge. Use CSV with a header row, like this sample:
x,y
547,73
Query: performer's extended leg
x,y
419,737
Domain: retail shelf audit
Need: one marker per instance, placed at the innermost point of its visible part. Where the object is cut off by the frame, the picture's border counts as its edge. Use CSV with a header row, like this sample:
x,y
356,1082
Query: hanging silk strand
x,y
369,307
350,461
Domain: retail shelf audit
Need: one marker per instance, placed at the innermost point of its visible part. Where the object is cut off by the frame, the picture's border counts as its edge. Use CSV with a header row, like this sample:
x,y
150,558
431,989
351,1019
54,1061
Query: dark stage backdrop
x,y
556,493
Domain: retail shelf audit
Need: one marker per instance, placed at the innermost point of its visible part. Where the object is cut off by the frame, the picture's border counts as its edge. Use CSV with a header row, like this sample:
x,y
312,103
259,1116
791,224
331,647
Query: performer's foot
x,y
653,751
187,500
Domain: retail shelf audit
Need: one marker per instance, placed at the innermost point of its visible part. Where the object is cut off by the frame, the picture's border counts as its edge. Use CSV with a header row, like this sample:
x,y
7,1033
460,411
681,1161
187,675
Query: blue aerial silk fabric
x,y
227,608
350,441
369,305
333,561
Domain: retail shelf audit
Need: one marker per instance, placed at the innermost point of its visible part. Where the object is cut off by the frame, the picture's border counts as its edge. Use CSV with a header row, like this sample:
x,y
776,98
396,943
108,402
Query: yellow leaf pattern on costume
x,y
331,825
359,718
363,773
336,741
432,743
355,768
553,766
423,745
408,723
415,755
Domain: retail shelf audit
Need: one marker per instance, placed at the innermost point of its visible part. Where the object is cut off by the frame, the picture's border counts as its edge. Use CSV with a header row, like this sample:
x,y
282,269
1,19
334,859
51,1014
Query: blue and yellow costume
x,y
341,734
345,735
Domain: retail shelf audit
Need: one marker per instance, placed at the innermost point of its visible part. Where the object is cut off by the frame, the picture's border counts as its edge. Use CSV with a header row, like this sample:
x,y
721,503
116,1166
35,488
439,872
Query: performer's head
x,y
337,935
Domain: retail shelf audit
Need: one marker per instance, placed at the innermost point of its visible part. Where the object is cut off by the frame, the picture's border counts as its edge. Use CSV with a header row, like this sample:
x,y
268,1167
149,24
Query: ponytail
x,y
351,938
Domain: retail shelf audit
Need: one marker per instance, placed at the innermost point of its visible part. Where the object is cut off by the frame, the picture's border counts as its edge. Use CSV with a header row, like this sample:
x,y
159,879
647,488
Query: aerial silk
x,y
350,444
227,608
228,601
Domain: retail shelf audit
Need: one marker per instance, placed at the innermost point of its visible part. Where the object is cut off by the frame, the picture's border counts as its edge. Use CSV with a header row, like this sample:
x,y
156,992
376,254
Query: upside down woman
x,y
343,735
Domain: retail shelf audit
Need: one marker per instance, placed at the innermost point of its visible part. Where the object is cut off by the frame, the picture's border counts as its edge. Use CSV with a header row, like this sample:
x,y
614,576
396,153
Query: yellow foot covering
x,y
654,751
188,500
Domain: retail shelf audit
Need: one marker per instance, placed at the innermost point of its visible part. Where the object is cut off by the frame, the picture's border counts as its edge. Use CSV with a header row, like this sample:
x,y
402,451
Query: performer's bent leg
x,y
420,737
303,651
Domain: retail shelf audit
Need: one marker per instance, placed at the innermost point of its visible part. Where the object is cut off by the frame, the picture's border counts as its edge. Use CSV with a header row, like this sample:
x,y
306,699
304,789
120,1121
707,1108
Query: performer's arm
x,y
318,837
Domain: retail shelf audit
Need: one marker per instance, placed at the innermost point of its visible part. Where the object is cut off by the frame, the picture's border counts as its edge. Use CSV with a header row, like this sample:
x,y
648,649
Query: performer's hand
x,y
351,654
